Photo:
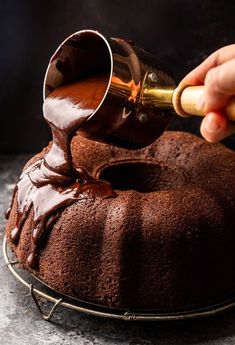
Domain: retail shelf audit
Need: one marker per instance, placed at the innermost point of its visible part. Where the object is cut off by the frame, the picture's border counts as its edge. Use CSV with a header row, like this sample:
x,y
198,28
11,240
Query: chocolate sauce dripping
x,y
48,199
65,110
53,183
8,211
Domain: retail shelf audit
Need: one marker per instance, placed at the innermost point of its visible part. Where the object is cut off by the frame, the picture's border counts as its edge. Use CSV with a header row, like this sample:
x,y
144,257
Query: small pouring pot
x,y
140,96
126,116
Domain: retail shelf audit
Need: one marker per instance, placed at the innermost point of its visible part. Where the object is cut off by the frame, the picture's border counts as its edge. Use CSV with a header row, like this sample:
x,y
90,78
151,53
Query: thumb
x,y
219,86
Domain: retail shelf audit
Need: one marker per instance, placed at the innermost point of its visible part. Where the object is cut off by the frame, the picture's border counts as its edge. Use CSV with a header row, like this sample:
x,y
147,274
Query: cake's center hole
x,y
142,177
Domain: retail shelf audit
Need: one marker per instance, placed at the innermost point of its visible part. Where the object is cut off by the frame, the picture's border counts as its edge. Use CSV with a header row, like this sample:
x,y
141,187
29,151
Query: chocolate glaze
x,y
65,110
52,183
7,213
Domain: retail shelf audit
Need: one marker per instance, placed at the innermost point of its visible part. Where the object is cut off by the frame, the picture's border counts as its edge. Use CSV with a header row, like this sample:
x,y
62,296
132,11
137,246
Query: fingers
x,y
197,76
219,86
216,127
217,73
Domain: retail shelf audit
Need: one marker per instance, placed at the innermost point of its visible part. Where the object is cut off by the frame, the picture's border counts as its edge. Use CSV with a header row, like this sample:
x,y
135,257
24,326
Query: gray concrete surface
x,y
20,323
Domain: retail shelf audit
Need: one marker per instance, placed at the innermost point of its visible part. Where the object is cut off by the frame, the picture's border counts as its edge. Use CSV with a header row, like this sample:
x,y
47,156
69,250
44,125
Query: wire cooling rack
x,y
101,311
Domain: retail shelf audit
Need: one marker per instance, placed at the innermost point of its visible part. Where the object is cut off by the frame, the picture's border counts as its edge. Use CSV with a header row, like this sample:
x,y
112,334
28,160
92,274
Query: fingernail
x,y
211,124
200,105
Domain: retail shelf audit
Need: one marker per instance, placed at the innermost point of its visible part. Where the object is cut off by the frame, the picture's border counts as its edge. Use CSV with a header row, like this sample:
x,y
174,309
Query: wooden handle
x,y
185,100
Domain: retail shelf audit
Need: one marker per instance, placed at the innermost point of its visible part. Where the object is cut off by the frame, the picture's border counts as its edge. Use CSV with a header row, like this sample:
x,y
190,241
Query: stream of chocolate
x,y
52,183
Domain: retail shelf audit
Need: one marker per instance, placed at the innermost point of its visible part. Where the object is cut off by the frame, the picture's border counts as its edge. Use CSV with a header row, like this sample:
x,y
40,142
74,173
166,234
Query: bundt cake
x,y
158,234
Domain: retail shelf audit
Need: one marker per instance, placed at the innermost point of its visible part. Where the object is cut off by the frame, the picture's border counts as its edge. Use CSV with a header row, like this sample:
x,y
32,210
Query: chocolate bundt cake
x,y
164,239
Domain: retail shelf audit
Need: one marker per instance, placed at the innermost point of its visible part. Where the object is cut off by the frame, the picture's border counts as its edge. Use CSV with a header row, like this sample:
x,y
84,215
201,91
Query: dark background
x,y
180,33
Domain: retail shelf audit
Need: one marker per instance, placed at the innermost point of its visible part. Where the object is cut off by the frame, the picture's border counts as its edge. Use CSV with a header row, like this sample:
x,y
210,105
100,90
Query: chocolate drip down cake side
x,y
151,228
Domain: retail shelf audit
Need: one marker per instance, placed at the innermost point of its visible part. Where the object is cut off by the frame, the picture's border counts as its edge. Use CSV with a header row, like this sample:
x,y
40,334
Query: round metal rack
x,y
97,310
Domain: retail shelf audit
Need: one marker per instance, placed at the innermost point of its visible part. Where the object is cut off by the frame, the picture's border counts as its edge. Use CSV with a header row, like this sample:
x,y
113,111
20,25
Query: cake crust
x,y
166,240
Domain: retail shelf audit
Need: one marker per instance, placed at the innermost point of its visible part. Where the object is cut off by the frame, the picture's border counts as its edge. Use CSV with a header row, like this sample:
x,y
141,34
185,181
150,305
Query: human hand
x,y
217,73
